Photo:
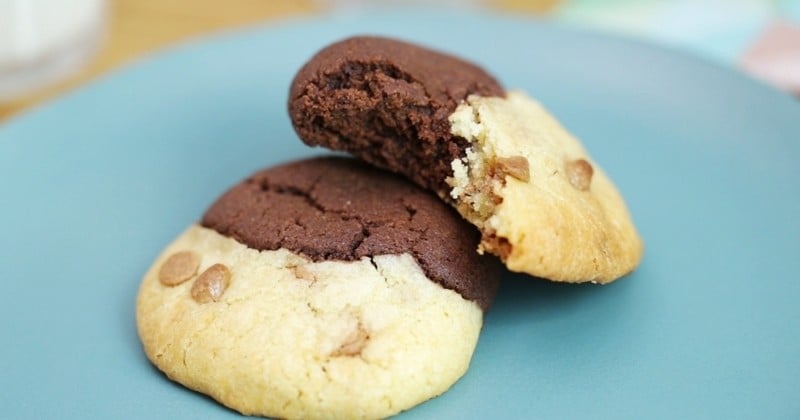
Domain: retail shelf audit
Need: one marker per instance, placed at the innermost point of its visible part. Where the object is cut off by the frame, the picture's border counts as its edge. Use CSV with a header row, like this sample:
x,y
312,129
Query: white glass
x,y
44,41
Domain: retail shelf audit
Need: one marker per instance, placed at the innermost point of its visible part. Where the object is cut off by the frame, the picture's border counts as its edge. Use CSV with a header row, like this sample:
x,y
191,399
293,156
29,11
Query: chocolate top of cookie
x,y
341,209
379,98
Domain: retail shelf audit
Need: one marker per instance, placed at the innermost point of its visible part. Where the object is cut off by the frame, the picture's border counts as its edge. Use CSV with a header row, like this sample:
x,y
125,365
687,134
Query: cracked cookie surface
x,y
288,330
342,209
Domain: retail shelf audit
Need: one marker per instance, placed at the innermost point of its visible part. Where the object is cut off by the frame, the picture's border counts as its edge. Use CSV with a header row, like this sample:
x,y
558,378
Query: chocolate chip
x,y
178,268
211,284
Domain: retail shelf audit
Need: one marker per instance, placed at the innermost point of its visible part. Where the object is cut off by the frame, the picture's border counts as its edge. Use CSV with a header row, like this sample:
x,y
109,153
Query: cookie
x,y
388,103
540,201
323,288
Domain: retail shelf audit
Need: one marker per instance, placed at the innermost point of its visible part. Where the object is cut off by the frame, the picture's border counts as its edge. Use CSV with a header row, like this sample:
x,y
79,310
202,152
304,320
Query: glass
x,y
44,41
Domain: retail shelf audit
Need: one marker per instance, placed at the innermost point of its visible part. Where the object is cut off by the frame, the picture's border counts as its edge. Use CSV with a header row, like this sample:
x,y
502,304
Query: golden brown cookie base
x,y
292,338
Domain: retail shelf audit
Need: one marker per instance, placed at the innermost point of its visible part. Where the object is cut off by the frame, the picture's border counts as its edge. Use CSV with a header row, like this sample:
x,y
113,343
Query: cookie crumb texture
x,y
540,202
387,102
293,338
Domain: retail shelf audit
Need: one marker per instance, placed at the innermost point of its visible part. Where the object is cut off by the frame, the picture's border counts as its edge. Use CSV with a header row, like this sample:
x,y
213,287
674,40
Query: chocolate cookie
x,y
323,288
388,103
540,201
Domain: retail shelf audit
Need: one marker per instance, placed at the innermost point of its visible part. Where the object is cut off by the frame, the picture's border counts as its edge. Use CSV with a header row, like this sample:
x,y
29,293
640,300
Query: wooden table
x,y
137,27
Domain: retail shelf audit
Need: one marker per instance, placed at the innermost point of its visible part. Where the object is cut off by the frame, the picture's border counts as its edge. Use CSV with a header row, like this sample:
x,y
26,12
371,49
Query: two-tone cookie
x,y
540,201
323,288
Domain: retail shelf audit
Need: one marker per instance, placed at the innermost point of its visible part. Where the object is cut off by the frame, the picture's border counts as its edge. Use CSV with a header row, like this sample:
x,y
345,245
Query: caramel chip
x,y
211,284
516,166
178,268
579,173
354,344
301,272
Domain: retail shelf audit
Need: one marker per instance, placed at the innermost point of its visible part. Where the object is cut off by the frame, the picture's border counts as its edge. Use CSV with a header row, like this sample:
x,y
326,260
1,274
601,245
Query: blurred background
x,y
48,47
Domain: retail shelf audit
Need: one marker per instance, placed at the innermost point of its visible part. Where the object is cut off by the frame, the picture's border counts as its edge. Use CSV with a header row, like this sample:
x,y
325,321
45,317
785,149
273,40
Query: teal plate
x,y
94,184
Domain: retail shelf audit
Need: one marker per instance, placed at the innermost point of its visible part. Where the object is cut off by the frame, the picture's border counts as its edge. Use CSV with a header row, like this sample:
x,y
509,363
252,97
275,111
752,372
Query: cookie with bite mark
x,y
540,201
323,288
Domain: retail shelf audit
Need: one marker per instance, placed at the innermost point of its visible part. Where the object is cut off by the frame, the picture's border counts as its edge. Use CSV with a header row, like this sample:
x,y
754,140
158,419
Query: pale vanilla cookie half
x,y
540,201
320,289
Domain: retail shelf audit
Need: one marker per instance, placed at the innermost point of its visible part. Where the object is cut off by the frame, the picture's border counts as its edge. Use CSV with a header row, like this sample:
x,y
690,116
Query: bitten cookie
x,y
319,289
540,201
